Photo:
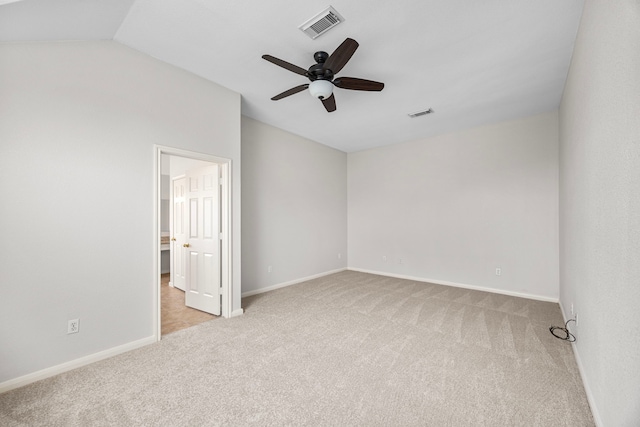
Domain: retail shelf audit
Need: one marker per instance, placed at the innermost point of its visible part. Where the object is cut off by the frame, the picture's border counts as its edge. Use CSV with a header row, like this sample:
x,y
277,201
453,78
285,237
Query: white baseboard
x,y
292,282
585,383
458,285
73,364
237,312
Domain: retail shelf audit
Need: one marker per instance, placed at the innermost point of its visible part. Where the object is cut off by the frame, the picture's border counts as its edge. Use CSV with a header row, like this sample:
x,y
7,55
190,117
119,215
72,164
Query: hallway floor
x,y
174,314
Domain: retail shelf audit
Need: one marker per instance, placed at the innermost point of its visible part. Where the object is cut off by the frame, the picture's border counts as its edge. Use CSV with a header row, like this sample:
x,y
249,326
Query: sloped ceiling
x,y
473,62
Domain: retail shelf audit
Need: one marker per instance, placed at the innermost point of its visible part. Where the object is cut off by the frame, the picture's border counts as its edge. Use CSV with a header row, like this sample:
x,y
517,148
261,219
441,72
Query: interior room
x,y
391,255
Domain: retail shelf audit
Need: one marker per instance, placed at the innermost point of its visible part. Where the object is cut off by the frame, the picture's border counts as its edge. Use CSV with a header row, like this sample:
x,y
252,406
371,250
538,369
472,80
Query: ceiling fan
x,y
322,75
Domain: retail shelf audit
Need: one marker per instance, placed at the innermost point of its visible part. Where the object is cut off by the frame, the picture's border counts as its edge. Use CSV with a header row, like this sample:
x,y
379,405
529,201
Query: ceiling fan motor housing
x,y
317,71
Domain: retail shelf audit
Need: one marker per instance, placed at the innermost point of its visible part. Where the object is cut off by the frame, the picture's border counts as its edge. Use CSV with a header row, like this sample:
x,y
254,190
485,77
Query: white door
x,y
178,233
202,243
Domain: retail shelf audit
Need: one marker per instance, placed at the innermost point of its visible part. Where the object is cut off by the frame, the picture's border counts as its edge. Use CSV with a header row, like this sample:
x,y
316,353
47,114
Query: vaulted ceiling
x,y
473,62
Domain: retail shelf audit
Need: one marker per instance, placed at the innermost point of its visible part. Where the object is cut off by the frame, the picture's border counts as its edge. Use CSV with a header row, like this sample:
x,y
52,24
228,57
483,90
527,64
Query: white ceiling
x,y
473,62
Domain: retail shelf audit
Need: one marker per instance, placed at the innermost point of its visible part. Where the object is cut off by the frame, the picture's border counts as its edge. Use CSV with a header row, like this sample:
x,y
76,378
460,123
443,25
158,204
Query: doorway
x,y
202,262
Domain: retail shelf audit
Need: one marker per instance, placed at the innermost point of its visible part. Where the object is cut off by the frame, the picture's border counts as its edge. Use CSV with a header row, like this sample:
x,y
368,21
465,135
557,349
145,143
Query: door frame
x,y
225,229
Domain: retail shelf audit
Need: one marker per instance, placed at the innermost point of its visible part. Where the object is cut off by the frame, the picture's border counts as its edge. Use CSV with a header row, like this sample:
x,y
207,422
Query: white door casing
x,y
226,247
202,240
178,232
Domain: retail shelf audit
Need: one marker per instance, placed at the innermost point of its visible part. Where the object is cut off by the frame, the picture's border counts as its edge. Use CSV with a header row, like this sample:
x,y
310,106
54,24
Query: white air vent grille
x,y
420,113
321,23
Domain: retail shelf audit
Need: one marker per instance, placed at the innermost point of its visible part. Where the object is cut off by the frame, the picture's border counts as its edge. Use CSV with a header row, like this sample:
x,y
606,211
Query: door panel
x,y
193,271
207,214
193,217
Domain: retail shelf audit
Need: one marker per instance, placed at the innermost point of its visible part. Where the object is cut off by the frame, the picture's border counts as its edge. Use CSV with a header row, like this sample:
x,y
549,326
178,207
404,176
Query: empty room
x,y
420,213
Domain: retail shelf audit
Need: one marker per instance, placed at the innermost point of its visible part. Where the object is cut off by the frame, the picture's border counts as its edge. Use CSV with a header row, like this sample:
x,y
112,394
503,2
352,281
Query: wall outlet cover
x,y
73,326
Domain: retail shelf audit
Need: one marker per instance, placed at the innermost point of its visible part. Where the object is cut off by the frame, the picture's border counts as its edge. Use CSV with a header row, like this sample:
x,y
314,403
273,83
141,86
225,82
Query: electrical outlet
x,y
269,269
73,326
384,258
399,260
339,255
498,271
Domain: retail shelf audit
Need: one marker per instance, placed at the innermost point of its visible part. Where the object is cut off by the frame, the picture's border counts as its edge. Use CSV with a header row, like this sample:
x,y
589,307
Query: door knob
x,y
186,245
173,239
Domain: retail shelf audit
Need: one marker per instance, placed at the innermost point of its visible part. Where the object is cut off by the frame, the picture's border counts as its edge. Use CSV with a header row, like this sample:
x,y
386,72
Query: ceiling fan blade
x,y
286,65
358,84
329,103
341,56
290,92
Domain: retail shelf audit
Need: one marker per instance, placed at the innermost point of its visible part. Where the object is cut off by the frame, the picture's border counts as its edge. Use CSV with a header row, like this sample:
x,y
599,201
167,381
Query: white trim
x,y
157,232
74,364
458,285
238,312
289,283
226,261
2,2
172,151
590,399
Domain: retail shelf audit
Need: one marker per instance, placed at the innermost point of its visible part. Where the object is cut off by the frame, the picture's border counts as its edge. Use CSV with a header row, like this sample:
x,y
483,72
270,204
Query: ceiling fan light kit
x,y
321,89
321,75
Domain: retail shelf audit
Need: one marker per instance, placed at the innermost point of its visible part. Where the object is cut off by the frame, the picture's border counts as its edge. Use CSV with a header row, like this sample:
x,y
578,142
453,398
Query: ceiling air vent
x,y
321,23
420,113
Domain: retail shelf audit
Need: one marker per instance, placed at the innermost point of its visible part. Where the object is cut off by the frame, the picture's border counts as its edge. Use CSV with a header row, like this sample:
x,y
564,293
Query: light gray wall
x,y
294,204
600,206
456,206
78,121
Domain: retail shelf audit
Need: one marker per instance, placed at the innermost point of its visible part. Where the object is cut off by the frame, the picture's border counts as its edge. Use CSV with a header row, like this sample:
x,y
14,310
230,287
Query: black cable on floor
x,y
565,334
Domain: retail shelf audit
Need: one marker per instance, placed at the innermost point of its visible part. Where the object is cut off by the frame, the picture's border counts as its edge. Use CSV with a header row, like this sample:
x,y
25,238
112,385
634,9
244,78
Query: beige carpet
x,y
346,349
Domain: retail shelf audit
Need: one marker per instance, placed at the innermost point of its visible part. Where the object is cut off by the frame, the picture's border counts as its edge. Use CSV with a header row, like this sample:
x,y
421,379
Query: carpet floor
x,y
349,349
